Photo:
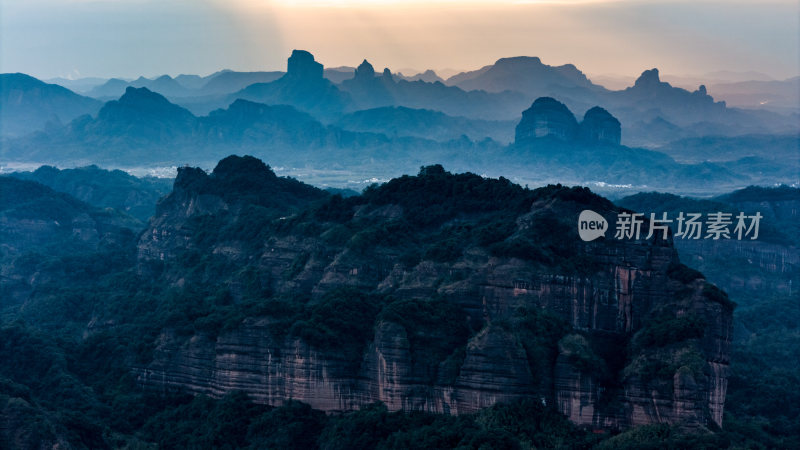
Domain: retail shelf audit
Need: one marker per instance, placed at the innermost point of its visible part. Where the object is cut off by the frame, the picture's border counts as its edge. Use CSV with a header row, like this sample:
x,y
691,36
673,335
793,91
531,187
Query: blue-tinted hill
x,y
28,104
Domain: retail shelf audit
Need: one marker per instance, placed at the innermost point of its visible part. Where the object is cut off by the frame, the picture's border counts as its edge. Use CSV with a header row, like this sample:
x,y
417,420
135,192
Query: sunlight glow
x,y
402,3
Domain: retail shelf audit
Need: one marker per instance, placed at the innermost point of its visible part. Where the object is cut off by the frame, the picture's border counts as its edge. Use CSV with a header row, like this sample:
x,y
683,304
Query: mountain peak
x,y
546,117
236,181
648,78
135,95
525,74
302,65
233,176
549,117
516,60
144,100
19,79
600,126
190,178
365,70
28,104
235,166
145,115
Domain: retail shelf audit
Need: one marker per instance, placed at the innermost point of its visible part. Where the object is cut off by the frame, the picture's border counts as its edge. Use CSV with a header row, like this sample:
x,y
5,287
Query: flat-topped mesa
x,y
301,65
515,60
600,126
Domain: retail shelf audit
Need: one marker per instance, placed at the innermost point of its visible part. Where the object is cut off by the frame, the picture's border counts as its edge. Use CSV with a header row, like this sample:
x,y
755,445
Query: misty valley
x,y
345,258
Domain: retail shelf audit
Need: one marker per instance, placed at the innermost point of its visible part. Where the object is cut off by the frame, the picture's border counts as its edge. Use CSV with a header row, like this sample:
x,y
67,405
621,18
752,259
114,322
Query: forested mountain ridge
x,y
445,278
237,241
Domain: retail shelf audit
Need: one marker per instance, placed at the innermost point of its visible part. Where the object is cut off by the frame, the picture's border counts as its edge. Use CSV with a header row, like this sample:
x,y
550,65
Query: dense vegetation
x,y
104,188
67,350
761,407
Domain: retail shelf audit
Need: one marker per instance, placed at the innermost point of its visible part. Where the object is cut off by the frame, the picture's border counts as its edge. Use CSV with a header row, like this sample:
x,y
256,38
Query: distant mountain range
x,y
652,112
302,86
428,76
219,83
548,145
80,85
28,104
380,123
521,74
425,123
138,127
775,95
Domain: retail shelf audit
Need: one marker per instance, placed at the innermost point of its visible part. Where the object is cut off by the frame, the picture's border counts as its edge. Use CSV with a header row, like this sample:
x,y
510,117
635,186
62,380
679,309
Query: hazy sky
x,y
128,38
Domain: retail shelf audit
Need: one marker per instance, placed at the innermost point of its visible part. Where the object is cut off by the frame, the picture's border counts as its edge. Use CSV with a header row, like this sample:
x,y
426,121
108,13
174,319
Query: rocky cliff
x,y
600,126
439,292
549,117
301,65
367,90
303,86
546,117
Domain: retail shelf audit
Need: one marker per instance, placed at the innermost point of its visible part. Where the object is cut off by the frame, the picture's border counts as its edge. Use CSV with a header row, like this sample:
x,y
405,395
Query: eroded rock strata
x,y
643,338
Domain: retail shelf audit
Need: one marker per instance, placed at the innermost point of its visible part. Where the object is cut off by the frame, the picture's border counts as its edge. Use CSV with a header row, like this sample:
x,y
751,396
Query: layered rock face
x,y
614,368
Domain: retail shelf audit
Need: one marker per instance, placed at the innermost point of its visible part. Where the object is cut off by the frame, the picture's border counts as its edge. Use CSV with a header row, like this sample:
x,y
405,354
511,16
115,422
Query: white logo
x,y
591,225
